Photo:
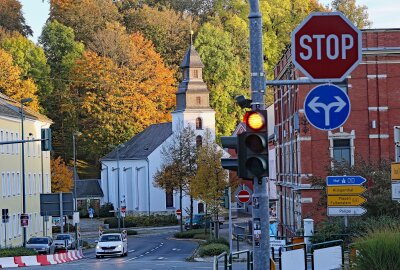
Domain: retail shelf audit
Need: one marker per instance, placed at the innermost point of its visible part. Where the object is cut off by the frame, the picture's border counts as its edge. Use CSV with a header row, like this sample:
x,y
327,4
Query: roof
x,y
192,59
12,109
142,144
89,188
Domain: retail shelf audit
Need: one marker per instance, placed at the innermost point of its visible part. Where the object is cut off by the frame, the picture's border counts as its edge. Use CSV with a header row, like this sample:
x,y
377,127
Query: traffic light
x,y
253,146
225,199
229,163
46,139
4,215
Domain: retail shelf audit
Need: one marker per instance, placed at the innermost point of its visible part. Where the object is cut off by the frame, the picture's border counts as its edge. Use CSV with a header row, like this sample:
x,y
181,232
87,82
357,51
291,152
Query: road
x,y
152,251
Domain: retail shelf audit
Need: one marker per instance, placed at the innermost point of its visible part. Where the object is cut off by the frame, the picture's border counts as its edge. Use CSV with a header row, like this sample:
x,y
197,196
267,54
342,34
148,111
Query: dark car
x,y
42,245
199,221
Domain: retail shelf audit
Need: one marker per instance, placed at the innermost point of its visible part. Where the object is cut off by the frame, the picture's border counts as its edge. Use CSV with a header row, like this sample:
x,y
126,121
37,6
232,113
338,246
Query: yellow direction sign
x,y
345,190
395,171
345,200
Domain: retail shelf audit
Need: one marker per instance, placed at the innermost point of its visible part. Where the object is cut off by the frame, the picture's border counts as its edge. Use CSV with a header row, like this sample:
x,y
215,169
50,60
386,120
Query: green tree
x,y
179,166
32,62
61,51
11,17
211,179
358,14
222,74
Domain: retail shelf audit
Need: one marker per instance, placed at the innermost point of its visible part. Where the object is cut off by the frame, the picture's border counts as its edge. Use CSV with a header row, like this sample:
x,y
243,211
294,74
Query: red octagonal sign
x,y
326,46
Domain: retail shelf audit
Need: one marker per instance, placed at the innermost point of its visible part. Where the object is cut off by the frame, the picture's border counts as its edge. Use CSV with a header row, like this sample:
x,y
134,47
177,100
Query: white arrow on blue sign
x,y
346,211
345,180
327,107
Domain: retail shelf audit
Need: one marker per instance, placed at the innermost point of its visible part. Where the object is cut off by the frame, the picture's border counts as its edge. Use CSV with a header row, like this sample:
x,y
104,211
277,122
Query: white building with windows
x,y
37,172
131,168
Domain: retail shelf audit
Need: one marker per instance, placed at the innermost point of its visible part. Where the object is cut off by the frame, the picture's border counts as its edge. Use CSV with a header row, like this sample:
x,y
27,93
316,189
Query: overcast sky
x,y
382,13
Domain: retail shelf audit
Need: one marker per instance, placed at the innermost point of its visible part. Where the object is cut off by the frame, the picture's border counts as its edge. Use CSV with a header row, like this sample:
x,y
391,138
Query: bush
x,y
378,250
129,232
105,210
66,227
19,251
186,235
143,221
212,249
220,240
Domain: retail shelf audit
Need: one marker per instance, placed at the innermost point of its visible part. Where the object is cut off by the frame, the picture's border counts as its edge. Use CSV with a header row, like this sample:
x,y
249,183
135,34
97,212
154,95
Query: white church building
x,y
127,175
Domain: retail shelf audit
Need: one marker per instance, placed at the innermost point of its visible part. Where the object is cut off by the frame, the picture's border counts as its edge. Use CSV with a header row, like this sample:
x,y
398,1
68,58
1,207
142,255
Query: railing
x,y
228,259
216,260
325,245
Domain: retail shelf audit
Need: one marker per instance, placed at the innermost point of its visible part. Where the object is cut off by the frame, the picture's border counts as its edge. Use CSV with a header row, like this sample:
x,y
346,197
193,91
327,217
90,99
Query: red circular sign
x,y
243,196
178,212
326,46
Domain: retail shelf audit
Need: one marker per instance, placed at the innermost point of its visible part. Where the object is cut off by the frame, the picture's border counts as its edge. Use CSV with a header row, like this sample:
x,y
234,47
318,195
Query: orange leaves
x,y
61,176
11,84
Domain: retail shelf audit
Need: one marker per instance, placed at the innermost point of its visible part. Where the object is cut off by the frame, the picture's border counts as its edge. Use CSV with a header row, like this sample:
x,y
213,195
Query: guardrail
x,y
228,259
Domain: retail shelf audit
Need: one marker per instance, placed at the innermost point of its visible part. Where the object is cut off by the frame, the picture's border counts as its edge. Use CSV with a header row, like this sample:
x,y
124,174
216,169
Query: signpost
x,y
326,46
243,196
24,220
178,212
327,107
348,200
395,175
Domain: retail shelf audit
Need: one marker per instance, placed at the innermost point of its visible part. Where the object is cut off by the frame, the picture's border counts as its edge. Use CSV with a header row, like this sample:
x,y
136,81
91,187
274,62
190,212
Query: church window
x,y
198,100
199,141
169,202
195,74
199,123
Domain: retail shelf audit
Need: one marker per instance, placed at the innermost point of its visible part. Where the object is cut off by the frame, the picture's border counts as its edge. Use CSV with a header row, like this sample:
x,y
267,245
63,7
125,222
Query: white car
x,y
111,244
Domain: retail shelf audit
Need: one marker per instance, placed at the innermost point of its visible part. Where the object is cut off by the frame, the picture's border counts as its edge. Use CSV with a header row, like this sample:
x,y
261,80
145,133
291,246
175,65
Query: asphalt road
x,y
153,251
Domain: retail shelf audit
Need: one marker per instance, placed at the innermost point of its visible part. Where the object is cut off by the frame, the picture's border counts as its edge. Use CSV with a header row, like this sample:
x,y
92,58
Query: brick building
x,y
370,131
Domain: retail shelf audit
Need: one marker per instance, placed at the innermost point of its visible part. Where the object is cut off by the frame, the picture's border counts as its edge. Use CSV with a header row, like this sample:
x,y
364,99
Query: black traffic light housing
x,y
253,146
229,163
46,139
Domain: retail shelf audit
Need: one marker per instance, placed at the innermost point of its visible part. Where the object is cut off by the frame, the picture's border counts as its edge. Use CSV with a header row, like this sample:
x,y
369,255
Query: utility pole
x,y
261,247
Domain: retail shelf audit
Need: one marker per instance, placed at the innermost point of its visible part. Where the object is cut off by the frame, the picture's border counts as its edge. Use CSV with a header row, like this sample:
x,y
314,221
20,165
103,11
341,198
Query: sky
x,y
382,13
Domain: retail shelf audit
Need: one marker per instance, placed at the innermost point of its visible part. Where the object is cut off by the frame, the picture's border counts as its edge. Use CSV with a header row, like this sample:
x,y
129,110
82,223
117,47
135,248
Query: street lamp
x,y
23,101
75,134
118,147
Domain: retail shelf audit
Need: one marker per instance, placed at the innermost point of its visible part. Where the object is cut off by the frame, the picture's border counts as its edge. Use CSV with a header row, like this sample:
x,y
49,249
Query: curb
x,y
41,260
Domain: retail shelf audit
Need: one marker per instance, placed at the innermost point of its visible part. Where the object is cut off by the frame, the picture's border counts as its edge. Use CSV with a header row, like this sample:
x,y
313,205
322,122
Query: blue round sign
x,y
327,107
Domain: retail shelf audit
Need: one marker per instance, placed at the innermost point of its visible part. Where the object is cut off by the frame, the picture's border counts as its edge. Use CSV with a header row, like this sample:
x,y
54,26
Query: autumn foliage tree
x,y
61,176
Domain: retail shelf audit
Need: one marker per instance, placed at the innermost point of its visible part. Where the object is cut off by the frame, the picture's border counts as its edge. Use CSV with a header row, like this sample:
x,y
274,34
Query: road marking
x,y
131,250
160,258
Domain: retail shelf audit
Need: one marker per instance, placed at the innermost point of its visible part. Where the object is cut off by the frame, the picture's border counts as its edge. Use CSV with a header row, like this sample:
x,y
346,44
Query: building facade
x,y
370,132
127,177
37,172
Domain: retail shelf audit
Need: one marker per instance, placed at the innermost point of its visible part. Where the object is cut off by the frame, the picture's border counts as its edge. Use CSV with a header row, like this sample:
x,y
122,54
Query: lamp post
x,y
74,135
23,101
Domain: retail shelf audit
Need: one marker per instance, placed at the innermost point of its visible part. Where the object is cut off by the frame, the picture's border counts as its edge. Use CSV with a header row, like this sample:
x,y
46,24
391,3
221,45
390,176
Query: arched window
x,y
199,141
199,123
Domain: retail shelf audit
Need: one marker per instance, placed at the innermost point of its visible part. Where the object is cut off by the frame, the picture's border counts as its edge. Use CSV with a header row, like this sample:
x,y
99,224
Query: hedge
x,y
129,232
143,221
19,251
212,249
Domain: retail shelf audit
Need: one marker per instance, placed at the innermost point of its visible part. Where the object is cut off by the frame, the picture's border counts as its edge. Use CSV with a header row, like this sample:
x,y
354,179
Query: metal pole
x,y
23,171
261,213
119,202
61,214
230,220
74,156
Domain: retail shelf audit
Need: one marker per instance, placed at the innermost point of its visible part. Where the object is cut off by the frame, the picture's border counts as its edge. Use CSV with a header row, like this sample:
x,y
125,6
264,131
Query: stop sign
x,y
326,46
243,196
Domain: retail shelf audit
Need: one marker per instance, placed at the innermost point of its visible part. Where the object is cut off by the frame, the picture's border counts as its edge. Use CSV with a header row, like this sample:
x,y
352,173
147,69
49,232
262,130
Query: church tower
x,y
193,98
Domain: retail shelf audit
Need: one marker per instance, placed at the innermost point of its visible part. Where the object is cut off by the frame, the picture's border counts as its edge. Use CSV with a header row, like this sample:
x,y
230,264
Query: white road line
x,y
131,250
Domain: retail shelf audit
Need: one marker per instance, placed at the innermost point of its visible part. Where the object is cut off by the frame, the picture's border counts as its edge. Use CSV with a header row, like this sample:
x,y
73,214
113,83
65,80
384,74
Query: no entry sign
x,y
243,196
326,46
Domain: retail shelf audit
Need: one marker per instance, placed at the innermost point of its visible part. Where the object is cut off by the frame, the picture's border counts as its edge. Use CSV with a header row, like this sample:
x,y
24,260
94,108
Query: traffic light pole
x,y
261,248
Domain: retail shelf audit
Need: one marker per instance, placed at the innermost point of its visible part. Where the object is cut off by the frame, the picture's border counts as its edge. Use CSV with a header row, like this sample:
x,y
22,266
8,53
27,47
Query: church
x,y
127,173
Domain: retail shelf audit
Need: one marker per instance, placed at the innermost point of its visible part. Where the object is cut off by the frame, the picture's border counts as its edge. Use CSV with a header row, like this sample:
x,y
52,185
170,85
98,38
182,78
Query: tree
x,y
11,83
61,51
61,176
168,30
85,17
12,19
355,13
179,166
115,102
211,179
32,62
378,194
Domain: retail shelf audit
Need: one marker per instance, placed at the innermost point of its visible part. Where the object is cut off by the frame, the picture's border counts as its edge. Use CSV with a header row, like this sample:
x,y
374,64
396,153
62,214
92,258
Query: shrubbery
x,y
378,250
212,249
67,228
143,221
188,234
19,251
129,232
105,210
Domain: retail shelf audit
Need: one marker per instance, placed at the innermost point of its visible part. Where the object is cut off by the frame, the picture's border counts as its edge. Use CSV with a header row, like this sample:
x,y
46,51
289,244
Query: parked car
x,y
64,241
42,245
200,221
112,244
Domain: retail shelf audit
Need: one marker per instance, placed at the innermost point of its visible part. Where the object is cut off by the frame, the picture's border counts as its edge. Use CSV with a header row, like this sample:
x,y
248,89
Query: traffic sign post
x,y
327,107
395,176
326,46
178,212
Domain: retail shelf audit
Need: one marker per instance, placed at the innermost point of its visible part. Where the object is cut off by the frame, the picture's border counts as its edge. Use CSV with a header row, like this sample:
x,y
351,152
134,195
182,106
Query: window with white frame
x,y
40,183
48,183
7,149
14,185
29,184
8,184
12,145
2,140
33,147
342,151
34,183
19,227
18,183
3,184
28,148
14,224
17,144
9,231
